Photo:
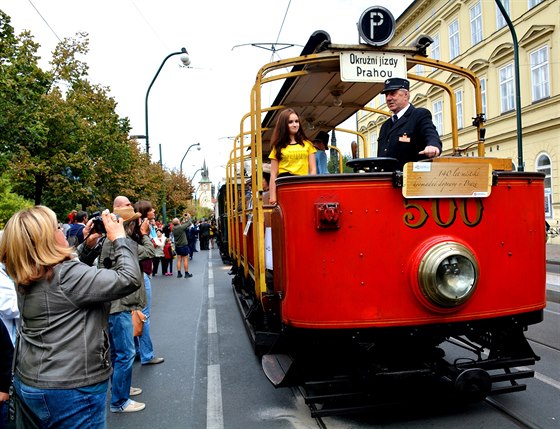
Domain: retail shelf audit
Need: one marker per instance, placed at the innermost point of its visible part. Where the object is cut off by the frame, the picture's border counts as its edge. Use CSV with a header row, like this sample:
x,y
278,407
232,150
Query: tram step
x,y
517,375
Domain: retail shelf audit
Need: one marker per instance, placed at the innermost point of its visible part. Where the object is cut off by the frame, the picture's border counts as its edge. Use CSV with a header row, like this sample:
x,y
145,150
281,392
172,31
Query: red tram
x,y
381,275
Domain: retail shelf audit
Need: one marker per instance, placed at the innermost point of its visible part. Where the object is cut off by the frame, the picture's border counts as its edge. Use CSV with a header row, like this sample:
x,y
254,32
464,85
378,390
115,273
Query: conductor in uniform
x,y
409,135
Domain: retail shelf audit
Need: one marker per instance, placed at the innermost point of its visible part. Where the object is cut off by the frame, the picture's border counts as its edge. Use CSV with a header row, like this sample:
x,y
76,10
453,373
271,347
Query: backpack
x,y
72,236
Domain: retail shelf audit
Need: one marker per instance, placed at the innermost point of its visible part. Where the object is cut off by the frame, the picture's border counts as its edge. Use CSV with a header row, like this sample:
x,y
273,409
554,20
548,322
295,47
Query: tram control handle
x,y
373,165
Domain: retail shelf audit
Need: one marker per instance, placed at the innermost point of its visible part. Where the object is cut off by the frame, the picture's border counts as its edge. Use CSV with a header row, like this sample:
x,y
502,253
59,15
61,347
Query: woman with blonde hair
x,y
292,153
63,363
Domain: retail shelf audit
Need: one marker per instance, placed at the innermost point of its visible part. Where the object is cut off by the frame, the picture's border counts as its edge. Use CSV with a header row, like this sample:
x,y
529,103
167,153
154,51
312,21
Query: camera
x,y
97,223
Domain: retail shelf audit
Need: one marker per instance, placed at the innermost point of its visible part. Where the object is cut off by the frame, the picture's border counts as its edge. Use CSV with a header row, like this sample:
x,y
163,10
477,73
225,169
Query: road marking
x,y
214,407
214,410
212,325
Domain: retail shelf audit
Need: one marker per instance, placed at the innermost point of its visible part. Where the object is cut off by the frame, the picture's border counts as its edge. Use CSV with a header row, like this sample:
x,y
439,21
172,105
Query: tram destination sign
x,y
363,66
441,180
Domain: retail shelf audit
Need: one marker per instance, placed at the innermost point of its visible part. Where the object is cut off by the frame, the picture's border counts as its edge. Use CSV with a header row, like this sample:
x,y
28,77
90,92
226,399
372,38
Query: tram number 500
x,y
443,212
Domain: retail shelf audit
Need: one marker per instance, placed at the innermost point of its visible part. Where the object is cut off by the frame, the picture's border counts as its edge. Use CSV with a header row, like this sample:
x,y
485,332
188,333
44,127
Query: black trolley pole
x,y
520,162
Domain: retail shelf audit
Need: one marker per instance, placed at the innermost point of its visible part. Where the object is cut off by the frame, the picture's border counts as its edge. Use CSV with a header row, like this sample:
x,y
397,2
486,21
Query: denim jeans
x,y
121,336
144,345
66,408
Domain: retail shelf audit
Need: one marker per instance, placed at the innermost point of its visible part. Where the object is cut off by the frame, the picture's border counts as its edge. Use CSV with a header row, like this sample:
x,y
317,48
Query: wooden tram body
x,y
347,265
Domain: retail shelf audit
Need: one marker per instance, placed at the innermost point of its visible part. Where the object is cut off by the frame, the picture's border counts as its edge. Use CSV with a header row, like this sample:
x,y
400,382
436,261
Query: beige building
x,y
474,34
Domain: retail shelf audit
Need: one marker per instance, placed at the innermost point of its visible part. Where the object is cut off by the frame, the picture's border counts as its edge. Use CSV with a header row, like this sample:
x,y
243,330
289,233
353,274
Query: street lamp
x,y
186,61
184,156
200,169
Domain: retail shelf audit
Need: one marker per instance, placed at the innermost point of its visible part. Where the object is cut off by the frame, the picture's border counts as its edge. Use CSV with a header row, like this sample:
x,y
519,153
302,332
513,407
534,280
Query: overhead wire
x,y
44,20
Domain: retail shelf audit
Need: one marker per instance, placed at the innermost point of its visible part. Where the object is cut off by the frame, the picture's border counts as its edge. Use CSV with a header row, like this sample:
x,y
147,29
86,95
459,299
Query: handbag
x,y
138,320
19,415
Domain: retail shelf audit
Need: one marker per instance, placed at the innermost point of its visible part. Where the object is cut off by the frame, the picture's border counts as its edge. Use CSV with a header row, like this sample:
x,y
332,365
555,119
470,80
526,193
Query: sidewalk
x,y
553,253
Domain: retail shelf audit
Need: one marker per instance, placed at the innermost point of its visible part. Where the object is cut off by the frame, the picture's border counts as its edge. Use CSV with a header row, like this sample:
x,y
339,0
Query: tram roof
x,y
312,94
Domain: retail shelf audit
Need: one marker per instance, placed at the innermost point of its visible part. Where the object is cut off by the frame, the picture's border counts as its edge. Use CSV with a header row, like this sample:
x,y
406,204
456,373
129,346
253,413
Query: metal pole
x,y
520,161
182,51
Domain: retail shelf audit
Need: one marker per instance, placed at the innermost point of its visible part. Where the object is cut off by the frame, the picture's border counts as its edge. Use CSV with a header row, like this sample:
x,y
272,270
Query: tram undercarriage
x,y
342,371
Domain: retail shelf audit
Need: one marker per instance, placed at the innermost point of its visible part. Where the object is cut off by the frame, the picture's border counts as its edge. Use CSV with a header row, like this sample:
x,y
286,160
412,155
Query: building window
x,y
453,39
373,143
418,69
539,74
500,20
476,24
435,47
459,101
437,109
382,99
483,96
545,166
533,3
507,91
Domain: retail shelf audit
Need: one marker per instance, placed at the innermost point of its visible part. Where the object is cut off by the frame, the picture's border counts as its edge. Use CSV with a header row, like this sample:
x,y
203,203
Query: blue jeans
x,y
122,356
66,408
143,343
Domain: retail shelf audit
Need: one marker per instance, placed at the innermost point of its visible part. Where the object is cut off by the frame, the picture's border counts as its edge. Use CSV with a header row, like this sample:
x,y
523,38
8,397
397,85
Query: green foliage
x,y
333,165
62,144
9,202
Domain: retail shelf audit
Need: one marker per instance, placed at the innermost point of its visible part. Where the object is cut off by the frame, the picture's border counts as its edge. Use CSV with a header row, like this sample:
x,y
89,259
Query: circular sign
x,y
377,26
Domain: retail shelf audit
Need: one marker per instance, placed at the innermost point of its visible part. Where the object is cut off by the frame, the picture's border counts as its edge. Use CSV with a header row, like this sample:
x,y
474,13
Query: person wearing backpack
x,y
75,235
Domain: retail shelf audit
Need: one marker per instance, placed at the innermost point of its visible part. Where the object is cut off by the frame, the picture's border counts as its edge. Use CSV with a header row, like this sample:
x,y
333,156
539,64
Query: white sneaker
x,y
132,407
134,391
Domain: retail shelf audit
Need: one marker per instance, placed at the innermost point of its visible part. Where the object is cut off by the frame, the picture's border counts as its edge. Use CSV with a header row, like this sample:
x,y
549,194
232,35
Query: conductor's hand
x,y
113,225
430,151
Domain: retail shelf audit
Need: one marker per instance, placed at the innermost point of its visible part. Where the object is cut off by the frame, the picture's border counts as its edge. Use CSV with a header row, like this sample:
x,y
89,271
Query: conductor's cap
x,y
395,83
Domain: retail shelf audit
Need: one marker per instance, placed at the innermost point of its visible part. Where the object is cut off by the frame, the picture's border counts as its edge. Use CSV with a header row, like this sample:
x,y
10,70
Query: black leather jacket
x,y
64,339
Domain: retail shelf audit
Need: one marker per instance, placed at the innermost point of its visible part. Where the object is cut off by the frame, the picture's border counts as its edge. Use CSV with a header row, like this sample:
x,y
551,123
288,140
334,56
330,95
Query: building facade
x,y
475,35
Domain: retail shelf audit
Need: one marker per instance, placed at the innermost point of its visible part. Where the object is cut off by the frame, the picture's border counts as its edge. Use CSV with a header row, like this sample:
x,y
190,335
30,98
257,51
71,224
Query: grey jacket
x,y
104,254
64,339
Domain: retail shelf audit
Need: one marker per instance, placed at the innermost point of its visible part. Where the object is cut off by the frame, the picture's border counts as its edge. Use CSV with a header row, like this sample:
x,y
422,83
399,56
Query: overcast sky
x,y
129,39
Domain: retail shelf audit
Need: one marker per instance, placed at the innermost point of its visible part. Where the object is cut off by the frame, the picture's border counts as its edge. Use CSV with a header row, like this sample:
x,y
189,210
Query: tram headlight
x,y
448,274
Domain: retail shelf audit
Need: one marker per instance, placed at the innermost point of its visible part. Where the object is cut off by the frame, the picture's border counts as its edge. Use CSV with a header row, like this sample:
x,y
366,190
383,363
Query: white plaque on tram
x,y
358,66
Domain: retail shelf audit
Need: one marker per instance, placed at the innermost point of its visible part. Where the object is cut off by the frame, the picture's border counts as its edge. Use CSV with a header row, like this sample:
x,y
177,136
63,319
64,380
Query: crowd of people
x,y
82,292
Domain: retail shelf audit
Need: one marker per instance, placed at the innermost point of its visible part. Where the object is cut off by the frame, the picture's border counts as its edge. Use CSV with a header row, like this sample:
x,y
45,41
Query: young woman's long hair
x,y
30,248
281,133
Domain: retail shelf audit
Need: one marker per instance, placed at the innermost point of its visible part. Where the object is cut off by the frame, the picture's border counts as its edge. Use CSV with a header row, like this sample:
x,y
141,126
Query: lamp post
x,y
185,155
186,61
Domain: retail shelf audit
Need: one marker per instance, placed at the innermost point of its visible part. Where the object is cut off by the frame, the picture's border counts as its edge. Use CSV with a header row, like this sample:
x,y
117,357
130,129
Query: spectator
x,y
167,263
143,343
62,368
292,153
192,237
9,315
159,255
204,233
75,234
321,143
181,244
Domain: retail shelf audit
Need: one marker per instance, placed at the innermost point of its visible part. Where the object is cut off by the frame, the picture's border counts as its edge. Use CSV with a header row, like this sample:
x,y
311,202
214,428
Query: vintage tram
x,y
378,277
